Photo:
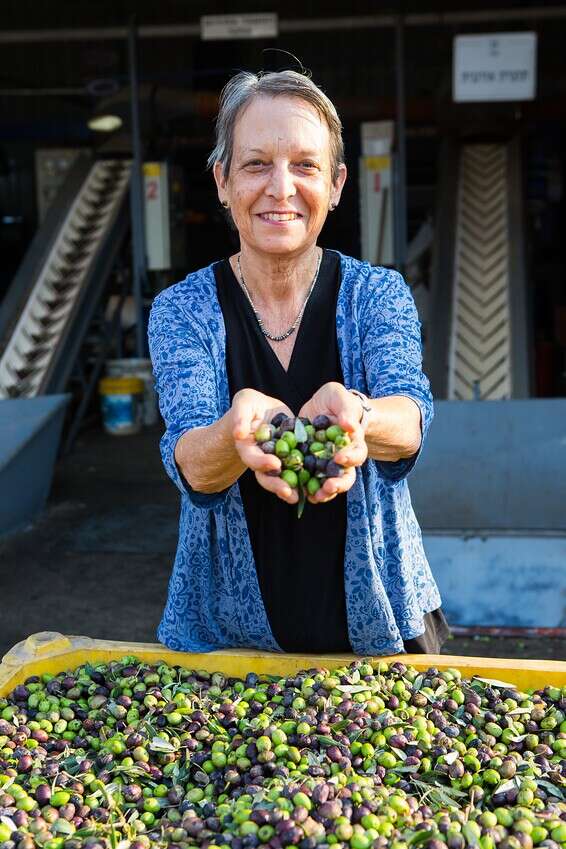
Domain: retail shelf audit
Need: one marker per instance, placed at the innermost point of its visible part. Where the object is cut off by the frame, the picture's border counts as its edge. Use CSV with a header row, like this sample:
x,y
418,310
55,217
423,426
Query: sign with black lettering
x,y
496,66
234,27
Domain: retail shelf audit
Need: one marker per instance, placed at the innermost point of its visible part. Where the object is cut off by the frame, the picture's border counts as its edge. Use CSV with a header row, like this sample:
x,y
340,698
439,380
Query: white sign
x,y
498,66
225,27
157,229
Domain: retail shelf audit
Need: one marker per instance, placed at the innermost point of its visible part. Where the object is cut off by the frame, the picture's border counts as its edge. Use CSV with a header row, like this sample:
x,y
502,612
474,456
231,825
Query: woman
x,y
283,326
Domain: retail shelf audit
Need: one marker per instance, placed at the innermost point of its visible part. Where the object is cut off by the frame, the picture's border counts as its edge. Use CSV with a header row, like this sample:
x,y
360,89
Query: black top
x,y
299,562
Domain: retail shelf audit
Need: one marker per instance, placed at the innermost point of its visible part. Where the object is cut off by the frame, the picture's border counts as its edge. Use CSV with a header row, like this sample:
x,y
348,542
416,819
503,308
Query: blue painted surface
x,y
30,430
490,495
497,465
518,581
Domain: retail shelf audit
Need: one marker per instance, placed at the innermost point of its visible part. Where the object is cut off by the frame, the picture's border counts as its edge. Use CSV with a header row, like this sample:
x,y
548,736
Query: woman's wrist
x,y
365,407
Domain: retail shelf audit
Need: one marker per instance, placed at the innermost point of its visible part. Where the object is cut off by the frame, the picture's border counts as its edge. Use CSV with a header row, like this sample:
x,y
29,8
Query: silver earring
x,y
333,207
225,204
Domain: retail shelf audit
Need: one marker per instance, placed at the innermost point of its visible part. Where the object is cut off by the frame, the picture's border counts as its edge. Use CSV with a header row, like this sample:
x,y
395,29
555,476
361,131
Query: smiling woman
x,y
285,327
279,188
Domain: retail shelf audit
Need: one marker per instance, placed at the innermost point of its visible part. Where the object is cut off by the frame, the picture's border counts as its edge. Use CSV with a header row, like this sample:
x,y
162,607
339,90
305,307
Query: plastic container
x,y
138,368
52,652
122,404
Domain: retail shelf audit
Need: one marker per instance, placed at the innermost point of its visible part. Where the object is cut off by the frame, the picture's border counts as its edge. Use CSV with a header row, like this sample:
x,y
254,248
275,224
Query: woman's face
x,y
280,184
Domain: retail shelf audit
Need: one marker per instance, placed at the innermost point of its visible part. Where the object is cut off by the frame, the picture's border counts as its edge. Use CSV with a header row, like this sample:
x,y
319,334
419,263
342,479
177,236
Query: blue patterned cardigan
x,y
214,600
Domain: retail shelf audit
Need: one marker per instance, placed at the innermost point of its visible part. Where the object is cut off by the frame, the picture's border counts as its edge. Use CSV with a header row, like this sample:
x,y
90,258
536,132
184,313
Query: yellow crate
x,y
52,652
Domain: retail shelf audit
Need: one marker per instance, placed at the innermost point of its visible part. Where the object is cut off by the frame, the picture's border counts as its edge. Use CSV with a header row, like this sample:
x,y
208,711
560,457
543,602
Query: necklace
x,y
295,324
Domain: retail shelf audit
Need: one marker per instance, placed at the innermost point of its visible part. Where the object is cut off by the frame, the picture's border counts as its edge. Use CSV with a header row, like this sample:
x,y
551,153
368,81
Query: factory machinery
x,y
490,488
61,281
44,321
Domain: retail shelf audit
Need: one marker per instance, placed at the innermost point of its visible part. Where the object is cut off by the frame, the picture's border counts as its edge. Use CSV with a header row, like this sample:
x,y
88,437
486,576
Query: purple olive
x,y
309,463
288,423
334,470
132,792
277,419
321,422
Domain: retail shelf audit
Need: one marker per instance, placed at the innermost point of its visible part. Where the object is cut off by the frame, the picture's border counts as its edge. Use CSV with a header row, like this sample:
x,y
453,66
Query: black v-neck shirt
x,y
299,563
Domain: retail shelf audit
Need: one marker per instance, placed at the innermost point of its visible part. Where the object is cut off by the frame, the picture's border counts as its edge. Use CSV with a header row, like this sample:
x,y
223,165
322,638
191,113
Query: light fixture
x,y
105,123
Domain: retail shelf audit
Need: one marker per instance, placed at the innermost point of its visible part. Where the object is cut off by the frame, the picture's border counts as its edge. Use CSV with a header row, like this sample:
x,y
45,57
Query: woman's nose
x,y
281,184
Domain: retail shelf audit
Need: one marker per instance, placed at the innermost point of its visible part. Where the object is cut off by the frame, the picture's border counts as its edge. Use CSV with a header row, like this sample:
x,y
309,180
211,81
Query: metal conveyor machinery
x,y
56,295
478,347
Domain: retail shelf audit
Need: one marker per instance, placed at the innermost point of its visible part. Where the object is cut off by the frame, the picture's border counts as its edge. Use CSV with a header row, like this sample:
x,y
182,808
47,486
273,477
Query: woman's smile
x,y
279,217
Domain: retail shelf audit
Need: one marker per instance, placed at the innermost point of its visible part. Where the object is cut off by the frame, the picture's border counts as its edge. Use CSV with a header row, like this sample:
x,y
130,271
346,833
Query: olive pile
x,y
131,755
306,450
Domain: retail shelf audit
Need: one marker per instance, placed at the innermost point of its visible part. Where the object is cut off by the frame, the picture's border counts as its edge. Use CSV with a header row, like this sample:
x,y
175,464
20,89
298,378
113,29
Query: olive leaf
x,y
417,683
418,837
494,682
351,688
325,741
400,753
451,757
551,788
158,744
302,501
504,788
300,433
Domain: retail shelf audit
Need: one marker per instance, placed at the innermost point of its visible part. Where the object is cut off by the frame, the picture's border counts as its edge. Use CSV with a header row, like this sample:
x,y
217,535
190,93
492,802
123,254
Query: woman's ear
x,y
221,183
337,186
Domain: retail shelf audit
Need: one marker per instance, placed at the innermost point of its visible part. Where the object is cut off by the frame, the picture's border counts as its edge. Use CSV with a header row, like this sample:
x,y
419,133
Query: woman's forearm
x,y
207,456
394,428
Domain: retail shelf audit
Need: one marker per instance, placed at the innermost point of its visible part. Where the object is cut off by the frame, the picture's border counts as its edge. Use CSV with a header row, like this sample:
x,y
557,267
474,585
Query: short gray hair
x,y
244,86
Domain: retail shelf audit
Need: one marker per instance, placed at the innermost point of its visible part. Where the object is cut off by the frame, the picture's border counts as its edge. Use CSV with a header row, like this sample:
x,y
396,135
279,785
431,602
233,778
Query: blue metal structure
x,y
490,495
30,430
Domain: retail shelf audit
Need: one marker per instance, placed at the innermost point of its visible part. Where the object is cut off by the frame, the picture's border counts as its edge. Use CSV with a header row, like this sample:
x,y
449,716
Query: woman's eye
x,y
255,163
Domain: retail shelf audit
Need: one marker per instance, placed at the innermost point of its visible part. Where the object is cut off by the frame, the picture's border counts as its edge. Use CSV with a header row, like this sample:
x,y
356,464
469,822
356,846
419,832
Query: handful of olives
x,y
306,450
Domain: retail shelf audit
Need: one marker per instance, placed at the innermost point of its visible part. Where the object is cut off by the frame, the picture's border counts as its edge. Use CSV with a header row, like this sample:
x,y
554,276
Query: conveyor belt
x,y
478,338
40,350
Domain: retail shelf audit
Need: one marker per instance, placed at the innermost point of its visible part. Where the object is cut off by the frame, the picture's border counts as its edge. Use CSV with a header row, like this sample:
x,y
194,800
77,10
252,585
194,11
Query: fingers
x,y
278,487
333,487
250,409
253,457
354,454
349,417
244,414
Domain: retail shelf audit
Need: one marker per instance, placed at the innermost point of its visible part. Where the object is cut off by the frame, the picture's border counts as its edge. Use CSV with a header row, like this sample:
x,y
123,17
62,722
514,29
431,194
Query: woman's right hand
x,y
249,409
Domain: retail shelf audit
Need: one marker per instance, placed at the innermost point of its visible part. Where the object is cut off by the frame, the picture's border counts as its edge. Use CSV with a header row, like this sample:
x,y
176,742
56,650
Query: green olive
x,y
282,448
290,438
290,477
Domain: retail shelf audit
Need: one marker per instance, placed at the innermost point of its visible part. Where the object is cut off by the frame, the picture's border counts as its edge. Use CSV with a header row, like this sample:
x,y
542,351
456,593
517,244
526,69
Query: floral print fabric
x,y
214,600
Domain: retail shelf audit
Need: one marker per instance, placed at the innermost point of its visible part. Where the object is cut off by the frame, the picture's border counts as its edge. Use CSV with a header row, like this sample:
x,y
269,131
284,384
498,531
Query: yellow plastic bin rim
x,y
53,652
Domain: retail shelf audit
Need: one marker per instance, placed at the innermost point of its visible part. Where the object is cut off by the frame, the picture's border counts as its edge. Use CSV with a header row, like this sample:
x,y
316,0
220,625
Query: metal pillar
x,y
139,265
399,174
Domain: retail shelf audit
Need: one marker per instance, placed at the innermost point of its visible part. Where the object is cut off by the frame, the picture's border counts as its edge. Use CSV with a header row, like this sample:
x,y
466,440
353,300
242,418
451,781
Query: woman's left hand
x,y
343,408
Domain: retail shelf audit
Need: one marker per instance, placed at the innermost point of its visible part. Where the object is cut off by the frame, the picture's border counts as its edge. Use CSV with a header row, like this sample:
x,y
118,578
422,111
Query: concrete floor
x,y
98,560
